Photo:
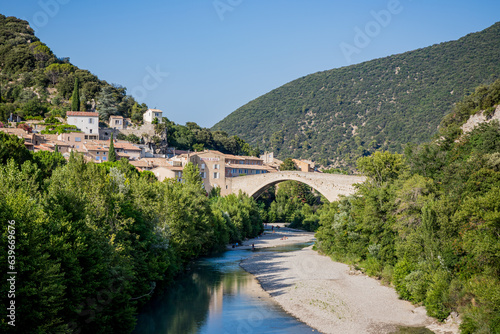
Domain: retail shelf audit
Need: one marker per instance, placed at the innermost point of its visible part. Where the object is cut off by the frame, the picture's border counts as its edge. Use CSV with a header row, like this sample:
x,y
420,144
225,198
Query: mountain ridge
x,y
385,102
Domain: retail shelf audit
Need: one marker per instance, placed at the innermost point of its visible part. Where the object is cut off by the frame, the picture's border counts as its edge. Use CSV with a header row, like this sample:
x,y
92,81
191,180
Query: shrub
x,y
402,269
436,301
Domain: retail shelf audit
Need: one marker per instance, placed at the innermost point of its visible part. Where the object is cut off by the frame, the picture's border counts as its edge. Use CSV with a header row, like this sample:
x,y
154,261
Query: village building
x,y
304,165
87,122
117,122
215,167
151,114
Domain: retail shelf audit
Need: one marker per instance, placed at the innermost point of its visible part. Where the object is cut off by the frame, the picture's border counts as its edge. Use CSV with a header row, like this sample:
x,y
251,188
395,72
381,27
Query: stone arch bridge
x,y
329,185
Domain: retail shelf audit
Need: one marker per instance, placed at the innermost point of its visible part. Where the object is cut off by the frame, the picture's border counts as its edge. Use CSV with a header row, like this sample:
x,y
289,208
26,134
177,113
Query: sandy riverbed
x,y
327,295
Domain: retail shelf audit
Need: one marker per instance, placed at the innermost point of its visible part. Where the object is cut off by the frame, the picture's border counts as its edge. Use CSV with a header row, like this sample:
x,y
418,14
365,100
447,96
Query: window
x,y
103,158
202,166
78,139
203,175
97,152
103,153
216,166
216,175
97,158
90,130
86,137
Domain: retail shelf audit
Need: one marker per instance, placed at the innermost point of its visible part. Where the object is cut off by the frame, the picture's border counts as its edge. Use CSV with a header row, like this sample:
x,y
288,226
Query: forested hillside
x,y
342,114
34,82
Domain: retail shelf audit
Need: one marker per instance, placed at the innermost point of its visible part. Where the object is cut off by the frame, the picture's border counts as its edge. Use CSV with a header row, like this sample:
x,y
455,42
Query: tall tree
x,y
75,99
191,174
111,154
107,103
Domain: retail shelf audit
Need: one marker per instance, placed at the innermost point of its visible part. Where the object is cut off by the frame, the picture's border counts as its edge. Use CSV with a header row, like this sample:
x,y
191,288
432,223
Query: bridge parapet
x,y
329,185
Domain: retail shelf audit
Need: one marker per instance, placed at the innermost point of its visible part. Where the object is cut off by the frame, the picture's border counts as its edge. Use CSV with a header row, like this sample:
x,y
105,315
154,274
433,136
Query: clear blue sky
x,y
222,54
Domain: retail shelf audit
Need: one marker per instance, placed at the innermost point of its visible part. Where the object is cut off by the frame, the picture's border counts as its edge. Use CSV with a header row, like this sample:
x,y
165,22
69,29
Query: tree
x,y
191,174
34,107
381,166
112,153
106,103
55,71
75,99
198,147
12,147
288,164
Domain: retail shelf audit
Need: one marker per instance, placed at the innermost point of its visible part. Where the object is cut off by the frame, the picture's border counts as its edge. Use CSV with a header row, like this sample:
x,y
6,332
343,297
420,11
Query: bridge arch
x,y
329,185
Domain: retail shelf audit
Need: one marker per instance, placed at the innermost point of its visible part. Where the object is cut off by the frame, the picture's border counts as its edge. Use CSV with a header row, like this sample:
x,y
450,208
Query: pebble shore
x,y
328,295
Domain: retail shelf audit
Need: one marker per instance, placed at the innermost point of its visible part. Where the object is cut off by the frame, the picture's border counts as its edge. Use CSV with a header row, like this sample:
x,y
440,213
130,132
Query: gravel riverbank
x,y
327,295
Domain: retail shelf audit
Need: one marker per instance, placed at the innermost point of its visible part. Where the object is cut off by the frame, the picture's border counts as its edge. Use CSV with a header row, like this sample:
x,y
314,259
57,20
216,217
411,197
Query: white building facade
x,y
87,122
150,115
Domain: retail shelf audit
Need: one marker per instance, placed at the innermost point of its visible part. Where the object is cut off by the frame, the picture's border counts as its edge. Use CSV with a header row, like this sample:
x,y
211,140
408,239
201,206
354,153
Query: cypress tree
x,y
75,98
111,154
56,149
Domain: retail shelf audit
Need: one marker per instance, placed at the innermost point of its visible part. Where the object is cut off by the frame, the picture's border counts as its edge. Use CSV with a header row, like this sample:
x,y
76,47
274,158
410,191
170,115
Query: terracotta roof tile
x,y
82,113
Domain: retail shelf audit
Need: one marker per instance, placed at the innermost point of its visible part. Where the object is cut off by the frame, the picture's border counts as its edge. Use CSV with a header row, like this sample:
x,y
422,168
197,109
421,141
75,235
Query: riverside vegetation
x,y
428,221
94,240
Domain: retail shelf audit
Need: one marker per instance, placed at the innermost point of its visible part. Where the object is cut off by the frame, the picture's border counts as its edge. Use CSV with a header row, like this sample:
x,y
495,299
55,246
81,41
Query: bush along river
x,y
217,296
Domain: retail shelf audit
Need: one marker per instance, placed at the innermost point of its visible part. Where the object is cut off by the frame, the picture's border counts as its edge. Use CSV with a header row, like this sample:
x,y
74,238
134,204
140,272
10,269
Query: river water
x,y
217,296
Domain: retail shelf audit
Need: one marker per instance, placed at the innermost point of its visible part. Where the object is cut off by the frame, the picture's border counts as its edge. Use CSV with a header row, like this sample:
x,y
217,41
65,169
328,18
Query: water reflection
x,y
217,296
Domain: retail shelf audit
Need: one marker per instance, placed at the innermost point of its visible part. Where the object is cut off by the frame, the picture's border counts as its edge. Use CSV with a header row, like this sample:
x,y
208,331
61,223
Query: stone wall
x,y
149,129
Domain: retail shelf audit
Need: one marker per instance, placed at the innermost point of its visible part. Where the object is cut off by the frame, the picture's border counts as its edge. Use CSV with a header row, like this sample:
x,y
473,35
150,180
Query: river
x,y
217,296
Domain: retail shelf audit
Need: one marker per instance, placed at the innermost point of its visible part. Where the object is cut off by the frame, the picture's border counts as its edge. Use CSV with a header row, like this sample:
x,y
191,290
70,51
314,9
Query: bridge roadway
x,y
329,185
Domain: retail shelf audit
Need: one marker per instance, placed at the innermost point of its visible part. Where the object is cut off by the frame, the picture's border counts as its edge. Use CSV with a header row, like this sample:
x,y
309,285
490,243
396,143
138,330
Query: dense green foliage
x,y
291,202
428,221
34,82
195,138
346,113
288,164
93,241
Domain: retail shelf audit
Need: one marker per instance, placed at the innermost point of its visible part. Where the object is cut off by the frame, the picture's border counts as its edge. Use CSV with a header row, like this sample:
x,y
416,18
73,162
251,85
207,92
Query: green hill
x,y
338,115
34,82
